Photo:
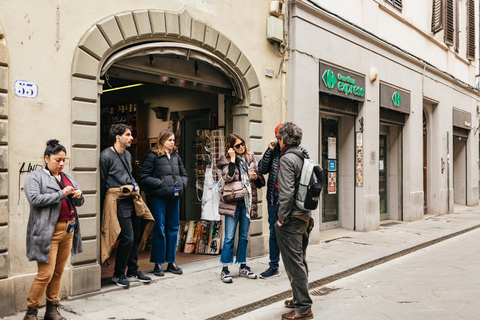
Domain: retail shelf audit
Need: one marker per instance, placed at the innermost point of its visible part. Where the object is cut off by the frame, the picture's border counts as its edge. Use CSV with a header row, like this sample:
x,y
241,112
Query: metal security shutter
x,y
395,3
449,23
437,15
471,30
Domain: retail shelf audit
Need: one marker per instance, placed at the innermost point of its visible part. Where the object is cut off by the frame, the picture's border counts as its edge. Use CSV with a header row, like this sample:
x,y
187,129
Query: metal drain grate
x,y
323,291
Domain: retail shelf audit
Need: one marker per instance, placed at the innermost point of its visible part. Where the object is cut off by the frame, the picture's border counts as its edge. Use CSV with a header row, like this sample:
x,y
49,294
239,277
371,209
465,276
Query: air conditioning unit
x,y
274,29
277,8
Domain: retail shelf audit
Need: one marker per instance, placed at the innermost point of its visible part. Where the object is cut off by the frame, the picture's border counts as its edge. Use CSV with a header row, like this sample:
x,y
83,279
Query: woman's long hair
x,y
162,137
230,142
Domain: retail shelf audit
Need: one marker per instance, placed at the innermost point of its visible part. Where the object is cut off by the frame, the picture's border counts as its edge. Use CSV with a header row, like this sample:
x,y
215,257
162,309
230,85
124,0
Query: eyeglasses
x,y
241,144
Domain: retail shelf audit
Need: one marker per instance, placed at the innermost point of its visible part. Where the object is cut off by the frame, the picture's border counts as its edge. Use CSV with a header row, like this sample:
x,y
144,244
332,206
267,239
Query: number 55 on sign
x,y
25,89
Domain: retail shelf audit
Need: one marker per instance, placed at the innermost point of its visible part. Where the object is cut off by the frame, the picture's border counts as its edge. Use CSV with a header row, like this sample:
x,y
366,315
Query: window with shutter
x,y
471,30
449,22
397,4
437,16
457,27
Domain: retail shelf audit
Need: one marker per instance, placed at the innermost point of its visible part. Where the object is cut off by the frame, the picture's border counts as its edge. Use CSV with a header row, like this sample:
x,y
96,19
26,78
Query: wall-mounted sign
x,y
341,82
394,99
25,89
332,182
332,165
332,148
359,161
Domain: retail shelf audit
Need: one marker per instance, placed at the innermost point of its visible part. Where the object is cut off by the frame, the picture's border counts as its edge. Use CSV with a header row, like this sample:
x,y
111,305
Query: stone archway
x,y
6,306
100,42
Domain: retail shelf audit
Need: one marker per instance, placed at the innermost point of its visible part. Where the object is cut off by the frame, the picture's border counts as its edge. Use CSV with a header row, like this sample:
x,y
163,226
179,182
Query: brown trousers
x,y
49,277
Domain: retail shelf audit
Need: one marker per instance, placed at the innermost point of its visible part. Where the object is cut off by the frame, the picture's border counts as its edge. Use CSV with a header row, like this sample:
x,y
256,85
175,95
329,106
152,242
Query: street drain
x,y
389,224
323,291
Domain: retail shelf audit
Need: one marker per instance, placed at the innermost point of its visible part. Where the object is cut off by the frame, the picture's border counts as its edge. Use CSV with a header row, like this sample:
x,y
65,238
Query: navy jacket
x,y
269,164
156,174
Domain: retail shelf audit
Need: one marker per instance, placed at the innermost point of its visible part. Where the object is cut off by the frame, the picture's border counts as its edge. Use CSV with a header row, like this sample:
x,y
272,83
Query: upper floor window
x,y
395,3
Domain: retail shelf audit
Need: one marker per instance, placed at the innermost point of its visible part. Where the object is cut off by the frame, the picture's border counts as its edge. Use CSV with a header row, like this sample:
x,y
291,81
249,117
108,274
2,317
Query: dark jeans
x,y
166,212
272,241
292,239
127,252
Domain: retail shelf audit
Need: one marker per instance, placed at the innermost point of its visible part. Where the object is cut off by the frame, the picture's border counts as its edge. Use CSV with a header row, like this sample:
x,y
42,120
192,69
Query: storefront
x,y
341,92
394,111
462,121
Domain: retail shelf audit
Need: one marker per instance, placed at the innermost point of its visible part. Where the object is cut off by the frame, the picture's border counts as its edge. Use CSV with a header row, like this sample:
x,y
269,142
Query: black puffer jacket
x,y
269,164
156,174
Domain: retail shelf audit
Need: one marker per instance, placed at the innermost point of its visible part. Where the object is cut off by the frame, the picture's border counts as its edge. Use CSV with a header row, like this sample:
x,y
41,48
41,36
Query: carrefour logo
x,y
344,84
396,99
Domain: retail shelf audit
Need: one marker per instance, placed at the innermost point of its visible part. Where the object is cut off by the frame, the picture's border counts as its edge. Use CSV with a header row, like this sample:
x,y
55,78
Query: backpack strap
x,y
301,155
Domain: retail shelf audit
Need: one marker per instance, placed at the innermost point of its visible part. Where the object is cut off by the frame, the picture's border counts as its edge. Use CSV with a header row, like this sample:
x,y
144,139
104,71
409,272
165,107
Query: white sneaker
x,y
226,277
246,272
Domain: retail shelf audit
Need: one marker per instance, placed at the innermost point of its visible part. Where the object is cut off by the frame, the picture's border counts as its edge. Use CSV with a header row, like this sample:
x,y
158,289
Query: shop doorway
x,y
330,162
390,172
460,169
192,110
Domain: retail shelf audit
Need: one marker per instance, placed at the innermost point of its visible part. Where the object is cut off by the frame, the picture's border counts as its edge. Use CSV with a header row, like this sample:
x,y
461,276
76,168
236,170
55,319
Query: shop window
x,y
397,4
471,30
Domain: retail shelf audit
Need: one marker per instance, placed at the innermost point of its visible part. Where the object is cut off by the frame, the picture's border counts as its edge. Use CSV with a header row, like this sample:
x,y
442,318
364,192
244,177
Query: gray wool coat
x,y
45,198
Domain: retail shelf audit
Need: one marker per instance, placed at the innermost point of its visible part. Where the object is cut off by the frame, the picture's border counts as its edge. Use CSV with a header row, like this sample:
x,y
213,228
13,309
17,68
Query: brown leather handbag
x,y
233,192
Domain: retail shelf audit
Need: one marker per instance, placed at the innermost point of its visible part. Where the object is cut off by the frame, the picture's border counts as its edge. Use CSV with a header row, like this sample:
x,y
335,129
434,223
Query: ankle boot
x,y
52,312
31,313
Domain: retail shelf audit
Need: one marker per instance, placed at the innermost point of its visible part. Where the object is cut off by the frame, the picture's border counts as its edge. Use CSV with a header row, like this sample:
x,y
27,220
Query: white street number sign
x,y
25,89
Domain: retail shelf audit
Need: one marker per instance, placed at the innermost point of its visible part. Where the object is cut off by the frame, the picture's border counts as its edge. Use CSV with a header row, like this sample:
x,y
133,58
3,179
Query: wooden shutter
x,y
457,27
471,30
395,3
449,23
437,16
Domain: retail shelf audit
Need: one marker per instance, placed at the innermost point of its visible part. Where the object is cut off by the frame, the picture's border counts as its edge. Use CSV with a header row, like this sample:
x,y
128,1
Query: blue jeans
x,y
229,240
166,212
272,241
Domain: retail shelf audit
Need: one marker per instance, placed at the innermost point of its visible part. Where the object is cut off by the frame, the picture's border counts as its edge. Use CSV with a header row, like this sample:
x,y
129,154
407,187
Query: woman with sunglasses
x,y
52,230
237,164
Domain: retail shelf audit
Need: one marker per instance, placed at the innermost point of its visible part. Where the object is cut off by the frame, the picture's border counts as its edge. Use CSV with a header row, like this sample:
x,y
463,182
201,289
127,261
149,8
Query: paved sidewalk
x,y
200,294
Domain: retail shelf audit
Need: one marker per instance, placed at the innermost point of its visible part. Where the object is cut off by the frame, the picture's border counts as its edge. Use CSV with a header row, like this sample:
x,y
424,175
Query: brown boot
x,y
52,311
31,313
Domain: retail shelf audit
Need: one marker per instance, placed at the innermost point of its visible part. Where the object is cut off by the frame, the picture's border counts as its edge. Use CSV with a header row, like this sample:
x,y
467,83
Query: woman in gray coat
x,y
52,231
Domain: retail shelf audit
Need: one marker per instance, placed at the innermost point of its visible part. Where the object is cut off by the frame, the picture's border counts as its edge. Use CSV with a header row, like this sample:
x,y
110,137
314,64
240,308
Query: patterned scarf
x,y
282,153
247,189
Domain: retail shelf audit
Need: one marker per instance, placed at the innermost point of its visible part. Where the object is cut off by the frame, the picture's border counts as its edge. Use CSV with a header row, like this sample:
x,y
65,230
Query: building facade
x,y
192,66
389,92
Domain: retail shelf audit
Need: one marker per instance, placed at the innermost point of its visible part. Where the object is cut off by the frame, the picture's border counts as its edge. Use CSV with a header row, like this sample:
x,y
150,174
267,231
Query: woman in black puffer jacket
x,y
165,178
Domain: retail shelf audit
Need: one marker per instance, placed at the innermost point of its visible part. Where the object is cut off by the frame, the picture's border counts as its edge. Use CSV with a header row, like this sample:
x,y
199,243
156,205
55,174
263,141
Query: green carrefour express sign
x,y
341,83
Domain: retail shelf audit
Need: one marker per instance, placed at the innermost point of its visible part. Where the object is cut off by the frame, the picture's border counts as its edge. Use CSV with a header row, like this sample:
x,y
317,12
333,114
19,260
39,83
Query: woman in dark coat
x,y
52,231
237,164
165,178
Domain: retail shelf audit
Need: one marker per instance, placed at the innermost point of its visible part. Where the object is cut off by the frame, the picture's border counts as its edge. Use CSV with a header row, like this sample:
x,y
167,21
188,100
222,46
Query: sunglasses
x,y
237,146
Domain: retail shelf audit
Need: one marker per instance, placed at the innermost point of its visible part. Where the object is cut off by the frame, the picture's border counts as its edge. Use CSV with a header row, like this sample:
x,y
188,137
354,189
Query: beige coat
x,y
110,225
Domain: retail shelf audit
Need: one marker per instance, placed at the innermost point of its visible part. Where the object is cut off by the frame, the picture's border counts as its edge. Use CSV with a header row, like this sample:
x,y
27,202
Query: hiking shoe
x,y
226,277
246,272
138,276
121,281
269,273
158,270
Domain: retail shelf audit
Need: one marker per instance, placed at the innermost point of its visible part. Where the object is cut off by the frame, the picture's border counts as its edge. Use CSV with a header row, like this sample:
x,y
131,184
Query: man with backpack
x,y
293,224
269,164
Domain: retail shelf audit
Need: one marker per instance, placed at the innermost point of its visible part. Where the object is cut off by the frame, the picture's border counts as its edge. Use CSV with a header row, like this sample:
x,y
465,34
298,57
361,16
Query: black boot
x,y
31,313
173,268
52,312
158,271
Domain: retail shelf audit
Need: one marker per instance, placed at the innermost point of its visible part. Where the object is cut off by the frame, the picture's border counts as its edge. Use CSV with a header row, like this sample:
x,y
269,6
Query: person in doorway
x,y
237,165
123,207
165,178
292,226
53,229
269,164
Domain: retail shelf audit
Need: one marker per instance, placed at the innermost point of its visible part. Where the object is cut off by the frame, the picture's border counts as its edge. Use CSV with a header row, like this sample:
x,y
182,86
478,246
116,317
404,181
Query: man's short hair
x,y
118,129
290,133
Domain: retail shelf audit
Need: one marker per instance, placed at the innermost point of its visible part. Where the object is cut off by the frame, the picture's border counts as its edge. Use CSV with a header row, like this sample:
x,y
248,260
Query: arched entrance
x,y
130,35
